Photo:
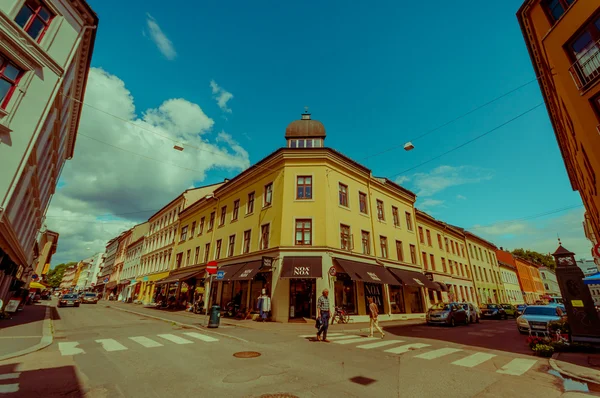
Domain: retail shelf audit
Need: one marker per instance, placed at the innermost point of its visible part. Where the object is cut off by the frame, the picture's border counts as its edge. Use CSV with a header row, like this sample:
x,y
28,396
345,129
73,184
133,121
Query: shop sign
x,y
301,271
266,262
19,272
245,273
429,275
373,276
374,291
332,271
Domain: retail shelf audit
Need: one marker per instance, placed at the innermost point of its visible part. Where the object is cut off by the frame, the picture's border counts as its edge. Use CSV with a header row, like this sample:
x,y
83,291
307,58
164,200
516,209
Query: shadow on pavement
x,y
47,383
30,314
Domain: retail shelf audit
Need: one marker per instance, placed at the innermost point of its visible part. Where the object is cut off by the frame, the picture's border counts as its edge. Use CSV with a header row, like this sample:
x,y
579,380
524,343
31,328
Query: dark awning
x,y
412,278
182,276
442,285
111,285
125,282
248,271
302,267
366,272
229,271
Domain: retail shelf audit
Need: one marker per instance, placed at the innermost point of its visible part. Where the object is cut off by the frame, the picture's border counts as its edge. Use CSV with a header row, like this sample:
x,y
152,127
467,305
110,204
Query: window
x,y
471,249
34,18
451,266
201,226
304,187
211,222
480,254
366,242
264,232
187,257
413,254
543,275
343,193
250,205
395,216
432,261
362,202
444,265
304,232
236,210
408,222
399,250
206,252
447,246
487,258
10,75
384,247
424,256
380,211
556,8
178,259
268,197
183,233
428,233
462,249
247,235
452,246
440,241
197,255
218,249
421,237
193,230
231,248
223,215
345,237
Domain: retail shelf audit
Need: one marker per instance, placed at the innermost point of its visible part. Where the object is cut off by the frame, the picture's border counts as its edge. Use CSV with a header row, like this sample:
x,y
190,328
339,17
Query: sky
x,y
226,78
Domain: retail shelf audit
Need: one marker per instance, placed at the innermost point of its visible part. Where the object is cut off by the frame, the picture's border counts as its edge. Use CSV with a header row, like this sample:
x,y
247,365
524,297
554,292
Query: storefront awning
x,y
443,286
37,285
412,278
111,285
248,271
302,267
125,282
179,277
366,272
230,271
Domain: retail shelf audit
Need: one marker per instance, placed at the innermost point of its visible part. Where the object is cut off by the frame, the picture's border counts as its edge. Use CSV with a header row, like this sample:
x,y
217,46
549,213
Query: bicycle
x,y
341,315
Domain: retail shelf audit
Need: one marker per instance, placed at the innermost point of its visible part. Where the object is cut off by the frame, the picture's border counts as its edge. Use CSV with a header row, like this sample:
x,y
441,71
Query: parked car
x,y
68,300
535,318
45,295
447,314
492,311
89,298
521,308
510,310
473,312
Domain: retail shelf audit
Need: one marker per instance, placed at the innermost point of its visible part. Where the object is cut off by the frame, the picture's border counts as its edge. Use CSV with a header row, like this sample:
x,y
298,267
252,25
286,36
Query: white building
x,y
588,267
549,281
133,256
89,272
595,290
45,54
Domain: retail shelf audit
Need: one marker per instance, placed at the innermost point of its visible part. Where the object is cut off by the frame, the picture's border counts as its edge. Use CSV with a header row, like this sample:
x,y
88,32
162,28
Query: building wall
x,y
510,280
486,272
550,282
537,281
595,291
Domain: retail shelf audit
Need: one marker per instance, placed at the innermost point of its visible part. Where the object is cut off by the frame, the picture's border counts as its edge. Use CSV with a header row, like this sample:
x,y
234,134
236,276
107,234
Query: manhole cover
x,y
278,395
247,354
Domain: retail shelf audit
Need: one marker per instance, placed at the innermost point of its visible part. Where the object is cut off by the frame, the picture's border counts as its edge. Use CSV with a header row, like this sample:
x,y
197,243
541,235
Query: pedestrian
x,y
323,313
264,305
373,318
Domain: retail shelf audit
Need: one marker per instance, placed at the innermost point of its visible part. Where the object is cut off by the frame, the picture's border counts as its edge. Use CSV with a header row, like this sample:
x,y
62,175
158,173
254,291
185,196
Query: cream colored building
x,y
45,55
47,243
132,257
510,280
485,269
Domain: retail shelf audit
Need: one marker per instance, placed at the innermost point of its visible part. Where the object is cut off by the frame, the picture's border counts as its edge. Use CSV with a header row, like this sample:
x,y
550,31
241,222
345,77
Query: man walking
x,y
373,312
323,313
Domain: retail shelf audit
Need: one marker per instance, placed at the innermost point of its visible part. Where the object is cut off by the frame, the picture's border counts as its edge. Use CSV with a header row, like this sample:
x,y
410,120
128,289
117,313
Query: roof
x,y
305,128
467,233
562,251
181,195
505,257
506,265
528,262
430,218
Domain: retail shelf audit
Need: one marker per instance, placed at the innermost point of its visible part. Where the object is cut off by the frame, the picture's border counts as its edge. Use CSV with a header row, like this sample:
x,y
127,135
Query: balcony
x,y
586,69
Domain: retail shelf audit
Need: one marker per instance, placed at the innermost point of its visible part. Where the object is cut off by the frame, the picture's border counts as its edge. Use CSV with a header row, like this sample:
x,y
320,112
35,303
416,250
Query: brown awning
x,y
366,272
111,285
248,271
412,278
302,267
182,276
229,271
125,282
443,286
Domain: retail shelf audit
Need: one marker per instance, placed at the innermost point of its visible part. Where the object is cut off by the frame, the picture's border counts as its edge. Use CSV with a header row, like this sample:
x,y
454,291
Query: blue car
x,y
535,318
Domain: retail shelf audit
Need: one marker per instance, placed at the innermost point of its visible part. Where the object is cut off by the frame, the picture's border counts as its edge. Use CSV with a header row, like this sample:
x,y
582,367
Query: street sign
x,y
34,276
597,249
332,271
211,267
267,262
220,275
105,280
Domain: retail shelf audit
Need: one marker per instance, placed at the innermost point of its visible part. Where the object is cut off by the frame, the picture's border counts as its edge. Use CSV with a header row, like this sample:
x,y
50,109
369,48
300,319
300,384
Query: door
x,y
302,298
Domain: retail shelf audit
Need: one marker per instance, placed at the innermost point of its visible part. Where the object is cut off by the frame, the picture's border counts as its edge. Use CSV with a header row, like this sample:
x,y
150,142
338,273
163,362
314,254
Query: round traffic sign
x,y
332,271
34,276
597,249
211,267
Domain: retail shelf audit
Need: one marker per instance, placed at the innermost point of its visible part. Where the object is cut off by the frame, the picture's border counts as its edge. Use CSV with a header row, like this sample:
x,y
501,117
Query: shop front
x,y
181,289
146,292
408,298
111,288
302,273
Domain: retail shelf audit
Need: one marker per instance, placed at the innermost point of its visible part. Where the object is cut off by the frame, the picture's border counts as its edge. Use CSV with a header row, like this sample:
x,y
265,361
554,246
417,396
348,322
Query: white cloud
x,y
461,197
104,180
429,203
443,177
221,95
161,40
402,179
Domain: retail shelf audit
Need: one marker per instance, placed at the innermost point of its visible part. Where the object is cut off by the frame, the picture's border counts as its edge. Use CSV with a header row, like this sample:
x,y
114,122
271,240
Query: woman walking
x,y
373,315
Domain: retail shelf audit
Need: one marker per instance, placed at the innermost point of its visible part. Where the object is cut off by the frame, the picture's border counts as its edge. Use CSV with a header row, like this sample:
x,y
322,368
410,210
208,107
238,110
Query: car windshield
x,y
545,311
90,295
465,306
521,306
441,307
70,296
489,306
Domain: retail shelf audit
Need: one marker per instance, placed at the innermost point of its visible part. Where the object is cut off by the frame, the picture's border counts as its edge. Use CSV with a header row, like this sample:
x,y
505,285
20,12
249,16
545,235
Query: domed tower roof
x,y
305,128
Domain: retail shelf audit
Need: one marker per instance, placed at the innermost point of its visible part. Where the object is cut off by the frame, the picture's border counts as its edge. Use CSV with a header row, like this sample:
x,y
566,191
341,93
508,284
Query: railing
x,y
587,67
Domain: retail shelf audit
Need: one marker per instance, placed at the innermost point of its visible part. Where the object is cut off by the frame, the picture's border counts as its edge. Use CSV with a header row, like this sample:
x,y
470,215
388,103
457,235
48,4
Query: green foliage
x,y
543,259
543,350
55,275
561,326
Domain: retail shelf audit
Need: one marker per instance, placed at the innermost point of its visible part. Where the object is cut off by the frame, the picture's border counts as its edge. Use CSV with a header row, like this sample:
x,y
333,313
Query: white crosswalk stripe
x,y
341,337
9,388
517,366
8,376
306,336
111,345
175,339
379,344
473,360
407,347
357,340
202,337
70,348
146,342
438,353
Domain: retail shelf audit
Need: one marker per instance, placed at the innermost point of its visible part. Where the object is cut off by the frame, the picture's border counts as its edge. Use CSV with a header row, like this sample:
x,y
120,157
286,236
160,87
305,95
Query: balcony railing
x,y
587,67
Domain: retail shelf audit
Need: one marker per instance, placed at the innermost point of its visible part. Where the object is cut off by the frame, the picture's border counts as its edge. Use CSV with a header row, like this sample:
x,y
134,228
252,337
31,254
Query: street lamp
x,y
409,146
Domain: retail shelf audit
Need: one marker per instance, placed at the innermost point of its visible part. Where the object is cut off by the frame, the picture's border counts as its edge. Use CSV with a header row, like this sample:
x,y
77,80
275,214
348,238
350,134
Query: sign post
x,y
211,269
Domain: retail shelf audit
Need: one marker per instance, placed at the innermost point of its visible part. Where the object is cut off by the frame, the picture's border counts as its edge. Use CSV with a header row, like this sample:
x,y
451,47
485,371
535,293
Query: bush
x,y
561,326
543,350
532,341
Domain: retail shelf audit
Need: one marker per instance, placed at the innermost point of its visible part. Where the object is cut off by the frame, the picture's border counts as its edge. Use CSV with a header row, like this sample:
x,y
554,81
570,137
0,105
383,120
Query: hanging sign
x,y
332,271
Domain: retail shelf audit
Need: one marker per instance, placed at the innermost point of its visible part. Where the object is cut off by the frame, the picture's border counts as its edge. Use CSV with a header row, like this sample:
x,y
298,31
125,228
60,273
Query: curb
x,y
47,338
570,375
178,323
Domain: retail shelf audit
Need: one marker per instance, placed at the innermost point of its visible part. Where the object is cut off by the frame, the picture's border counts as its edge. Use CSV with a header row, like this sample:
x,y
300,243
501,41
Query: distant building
x,y
509,276
47,243
549,281
588,267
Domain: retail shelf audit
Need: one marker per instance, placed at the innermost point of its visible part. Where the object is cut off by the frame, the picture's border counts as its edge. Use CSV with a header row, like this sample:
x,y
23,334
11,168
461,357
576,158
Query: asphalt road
x,y
103,352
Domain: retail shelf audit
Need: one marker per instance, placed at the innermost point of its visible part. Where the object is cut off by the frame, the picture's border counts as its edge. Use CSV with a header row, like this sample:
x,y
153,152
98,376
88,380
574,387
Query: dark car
x,y
89,298
493,311
447,314
68,300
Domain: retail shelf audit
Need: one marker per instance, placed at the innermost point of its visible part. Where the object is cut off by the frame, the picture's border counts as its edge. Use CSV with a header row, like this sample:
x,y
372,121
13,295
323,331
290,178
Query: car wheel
x,y
452,322
467,321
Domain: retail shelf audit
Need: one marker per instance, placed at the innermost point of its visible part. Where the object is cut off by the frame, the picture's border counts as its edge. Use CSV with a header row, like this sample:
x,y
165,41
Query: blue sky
x,y
376,76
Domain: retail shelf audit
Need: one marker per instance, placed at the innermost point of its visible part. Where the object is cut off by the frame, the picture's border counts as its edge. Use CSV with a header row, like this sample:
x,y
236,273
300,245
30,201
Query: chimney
x,y
501,248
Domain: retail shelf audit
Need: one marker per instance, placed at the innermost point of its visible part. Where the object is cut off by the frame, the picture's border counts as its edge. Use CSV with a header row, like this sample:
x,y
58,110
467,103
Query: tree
x,y
542,259
55,275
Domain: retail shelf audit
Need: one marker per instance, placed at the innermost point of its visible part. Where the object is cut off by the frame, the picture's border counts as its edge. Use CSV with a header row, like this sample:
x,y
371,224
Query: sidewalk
x,y
200,320
582,366
26,331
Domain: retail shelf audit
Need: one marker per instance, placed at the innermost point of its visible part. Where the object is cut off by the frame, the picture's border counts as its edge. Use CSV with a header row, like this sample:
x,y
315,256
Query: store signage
x,y
105,280
374,291
12,305
267,262
220,275
211,267
246,273
429,275
19,272
373,276
332,271
597,249
301,271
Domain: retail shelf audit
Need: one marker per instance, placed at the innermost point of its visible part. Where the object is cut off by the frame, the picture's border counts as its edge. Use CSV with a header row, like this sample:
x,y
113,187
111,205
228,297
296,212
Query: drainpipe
x,y
207,285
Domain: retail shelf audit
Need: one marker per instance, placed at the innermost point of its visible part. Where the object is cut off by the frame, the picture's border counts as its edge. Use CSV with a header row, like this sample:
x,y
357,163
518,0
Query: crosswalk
x,y
160,340
514,367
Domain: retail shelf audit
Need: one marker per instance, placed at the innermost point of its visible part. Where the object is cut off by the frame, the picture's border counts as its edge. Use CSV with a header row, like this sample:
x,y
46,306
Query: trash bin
x,y
215,316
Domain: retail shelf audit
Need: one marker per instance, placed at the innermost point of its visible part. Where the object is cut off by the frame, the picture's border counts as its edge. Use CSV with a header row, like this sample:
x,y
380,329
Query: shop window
x,y
10,74
223,215
226,293
415,300
343,195
366,242
345,293
374,291
397,300
395,216
304,187
218,249
268,196
231,248
362,201
250,205
236,210
304,232
34,17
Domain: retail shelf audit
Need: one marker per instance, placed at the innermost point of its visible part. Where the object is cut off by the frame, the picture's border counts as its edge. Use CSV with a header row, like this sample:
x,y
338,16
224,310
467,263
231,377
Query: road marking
x,y
146,342
358,340
517,366
474,360
175,339
407,347
111,345
202,337
480,334
438,353
492,331
70,348
8,388
8,376
305,336
379,344
342,337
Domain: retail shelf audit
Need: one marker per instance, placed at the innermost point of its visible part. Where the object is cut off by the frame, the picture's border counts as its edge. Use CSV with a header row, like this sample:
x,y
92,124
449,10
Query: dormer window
x,y
306,143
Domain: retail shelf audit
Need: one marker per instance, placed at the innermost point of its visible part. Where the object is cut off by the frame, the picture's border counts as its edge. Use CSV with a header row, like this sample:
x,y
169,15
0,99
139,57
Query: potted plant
x,y
561,327
543,350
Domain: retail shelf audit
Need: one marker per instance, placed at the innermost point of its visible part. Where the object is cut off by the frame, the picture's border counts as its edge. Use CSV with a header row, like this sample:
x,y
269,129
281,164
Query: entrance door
x,y
302,298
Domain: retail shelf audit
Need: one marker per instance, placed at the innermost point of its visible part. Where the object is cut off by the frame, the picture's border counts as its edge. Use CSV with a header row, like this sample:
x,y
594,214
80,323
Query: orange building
x,y
530,280
563,39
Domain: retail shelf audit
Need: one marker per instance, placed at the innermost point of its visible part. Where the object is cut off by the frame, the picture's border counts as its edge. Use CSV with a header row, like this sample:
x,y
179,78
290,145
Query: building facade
x,y
563,39
45,54
131,255
485,269
509,276
47,243
107,266
549,281
67,282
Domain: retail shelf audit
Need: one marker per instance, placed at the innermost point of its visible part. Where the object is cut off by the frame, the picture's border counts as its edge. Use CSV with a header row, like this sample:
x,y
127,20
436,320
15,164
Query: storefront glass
x,y
302,298
415,299
241,293
374,291
397,300
226,293
345,293
261,281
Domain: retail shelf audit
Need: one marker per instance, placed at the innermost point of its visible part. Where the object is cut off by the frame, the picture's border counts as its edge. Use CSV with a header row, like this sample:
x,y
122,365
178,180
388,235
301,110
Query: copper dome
x,y
305,128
